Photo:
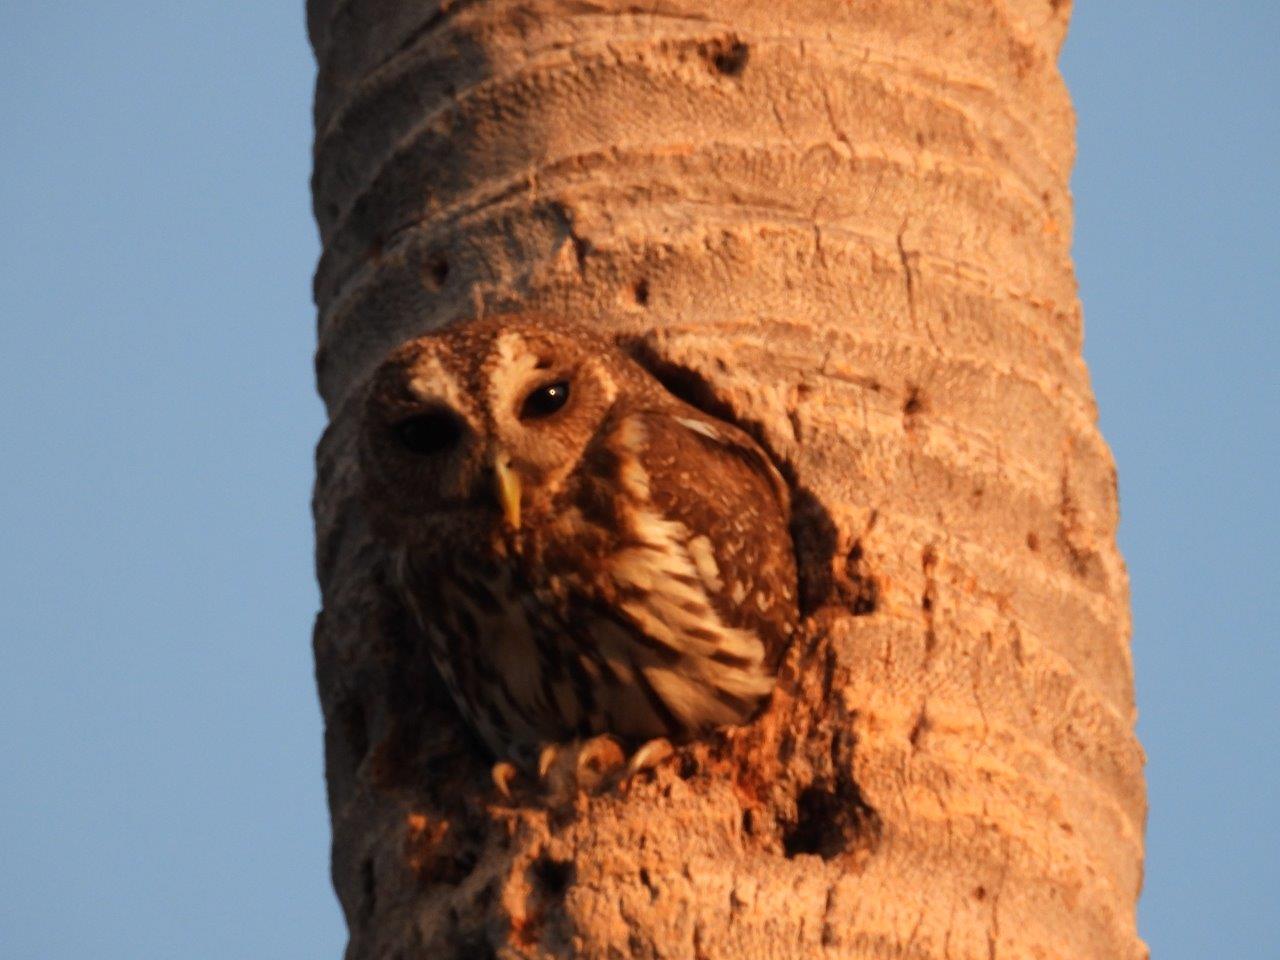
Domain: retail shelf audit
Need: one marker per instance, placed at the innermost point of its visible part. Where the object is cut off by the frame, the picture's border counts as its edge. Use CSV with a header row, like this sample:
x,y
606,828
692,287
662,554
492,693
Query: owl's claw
x,y
503,773
649,756
565,769
596,759
595,764
547,760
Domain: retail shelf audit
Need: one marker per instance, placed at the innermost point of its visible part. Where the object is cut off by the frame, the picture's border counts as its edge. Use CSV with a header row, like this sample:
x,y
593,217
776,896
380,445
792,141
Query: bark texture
x,y
847,225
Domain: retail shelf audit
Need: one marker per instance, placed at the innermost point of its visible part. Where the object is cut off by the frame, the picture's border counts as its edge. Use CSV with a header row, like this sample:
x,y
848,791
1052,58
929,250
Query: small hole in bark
x,y
864,602
688,767
1033,542
914,404
979,893
555,876
817,828
641,292
436,271
728,57
863,591
831,815
829,821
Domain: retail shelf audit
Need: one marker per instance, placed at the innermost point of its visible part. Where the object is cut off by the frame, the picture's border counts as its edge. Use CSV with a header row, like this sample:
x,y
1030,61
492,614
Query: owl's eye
x,y
430,432
545,400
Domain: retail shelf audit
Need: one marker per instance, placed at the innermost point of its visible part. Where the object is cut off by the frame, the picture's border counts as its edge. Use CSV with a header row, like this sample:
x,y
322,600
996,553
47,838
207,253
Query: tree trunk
x,y
849,225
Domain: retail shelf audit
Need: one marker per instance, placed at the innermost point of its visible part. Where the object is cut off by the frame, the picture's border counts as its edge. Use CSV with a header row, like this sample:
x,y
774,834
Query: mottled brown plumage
x,y
585,552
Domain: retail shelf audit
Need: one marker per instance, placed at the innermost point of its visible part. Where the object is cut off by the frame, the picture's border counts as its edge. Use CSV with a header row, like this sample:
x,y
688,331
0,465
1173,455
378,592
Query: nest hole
x,y
728,57
831,819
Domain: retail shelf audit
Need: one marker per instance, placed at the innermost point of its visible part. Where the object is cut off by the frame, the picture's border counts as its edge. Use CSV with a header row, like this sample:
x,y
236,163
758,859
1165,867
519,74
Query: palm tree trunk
x,y
848,223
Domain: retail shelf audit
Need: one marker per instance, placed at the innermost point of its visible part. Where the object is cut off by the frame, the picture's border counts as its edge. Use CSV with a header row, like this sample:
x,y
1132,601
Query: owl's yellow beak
x,y
508,484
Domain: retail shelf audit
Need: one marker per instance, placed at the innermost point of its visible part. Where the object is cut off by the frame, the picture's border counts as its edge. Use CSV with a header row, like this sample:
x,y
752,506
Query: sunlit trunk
x,y
849,223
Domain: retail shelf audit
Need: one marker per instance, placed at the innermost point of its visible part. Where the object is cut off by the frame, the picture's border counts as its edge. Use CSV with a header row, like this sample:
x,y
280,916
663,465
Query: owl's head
x,y
471,427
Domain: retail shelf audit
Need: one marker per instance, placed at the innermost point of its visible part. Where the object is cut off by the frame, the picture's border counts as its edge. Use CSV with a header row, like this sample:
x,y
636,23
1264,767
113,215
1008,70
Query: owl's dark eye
x,y
545,400
432,432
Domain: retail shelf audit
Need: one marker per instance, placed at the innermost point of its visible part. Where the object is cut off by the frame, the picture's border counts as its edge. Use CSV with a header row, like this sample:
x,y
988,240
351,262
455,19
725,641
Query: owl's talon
x,y
649,756
503,774
547,759
582,765
597,758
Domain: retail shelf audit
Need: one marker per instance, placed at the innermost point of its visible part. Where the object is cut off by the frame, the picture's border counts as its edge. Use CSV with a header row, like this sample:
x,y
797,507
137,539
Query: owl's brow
x,y
429,381
511,356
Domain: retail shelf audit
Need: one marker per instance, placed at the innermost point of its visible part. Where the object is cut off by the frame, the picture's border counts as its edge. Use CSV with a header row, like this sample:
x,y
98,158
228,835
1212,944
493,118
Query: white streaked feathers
x,y
668,576
673,606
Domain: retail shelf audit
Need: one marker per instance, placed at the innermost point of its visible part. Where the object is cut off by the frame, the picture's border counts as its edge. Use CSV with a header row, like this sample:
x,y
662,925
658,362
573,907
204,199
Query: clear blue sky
x,y
161,793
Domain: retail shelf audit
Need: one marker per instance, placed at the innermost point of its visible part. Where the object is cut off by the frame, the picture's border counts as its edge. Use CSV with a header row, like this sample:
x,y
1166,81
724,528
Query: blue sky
x,y
1177,247
163,788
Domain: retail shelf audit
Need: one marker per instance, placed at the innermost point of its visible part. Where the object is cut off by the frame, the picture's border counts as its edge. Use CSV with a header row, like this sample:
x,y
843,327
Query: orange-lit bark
x,y
851,223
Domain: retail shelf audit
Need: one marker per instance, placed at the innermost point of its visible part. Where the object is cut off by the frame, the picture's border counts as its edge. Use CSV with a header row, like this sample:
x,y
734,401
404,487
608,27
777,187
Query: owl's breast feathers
x,y
653,594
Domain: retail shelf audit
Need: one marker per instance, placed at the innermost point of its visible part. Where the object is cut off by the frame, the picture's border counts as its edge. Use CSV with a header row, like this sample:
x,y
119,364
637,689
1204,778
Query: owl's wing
x,y
703,572
716,482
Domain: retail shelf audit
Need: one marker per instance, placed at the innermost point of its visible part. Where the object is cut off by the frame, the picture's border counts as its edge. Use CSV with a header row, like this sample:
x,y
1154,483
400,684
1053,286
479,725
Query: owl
x,y
587,555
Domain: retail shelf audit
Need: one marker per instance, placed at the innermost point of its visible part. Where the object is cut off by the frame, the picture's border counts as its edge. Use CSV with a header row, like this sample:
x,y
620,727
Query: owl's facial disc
x,y
547,398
